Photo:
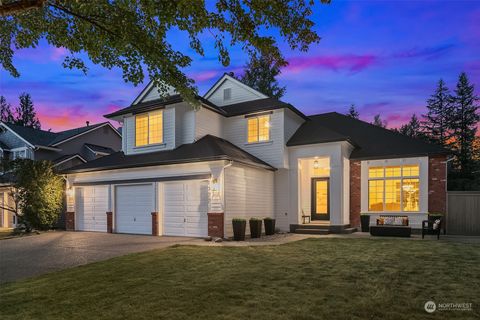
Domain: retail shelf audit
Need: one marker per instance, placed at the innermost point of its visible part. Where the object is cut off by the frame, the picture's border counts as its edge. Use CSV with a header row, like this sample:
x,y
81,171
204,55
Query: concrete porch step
x,y
311,231
349,230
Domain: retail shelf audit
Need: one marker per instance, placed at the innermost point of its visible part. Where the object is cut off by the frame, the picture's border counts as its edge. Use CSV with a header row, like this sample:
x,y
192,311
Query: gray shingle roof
x,y
258,105
48,138
370,141
97,148
208,148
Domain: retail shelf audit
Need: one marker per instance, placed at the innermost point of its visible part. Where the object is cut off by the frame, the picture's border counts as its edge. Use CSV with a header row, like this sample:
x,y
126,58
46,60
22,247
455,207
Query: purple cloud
x,y
351,63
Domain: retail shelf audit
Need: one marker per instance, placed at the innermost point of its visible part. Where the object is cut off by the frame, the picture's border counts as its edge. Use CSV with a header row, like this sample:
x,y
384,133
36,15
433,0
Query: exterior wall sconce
x,y
315,164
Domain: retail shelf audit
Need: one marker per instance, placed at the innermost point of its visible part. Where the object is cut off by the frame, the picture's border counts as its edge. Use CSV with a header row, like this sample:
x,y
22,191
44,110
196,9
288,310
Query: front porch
x,y
323,194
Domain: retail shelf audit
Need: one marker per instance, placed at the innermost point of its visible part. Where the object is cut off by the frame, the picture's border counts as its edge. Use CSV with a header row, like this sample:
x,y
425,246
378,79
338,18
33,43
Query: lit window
x,y
392,188
375,195
412,170
376,172
410,195
149,128
258,128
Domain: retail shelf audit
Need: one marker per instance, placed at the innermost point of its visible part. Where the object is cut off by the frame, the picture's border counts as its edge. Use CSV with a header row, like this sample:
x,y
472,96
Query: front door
x,y
320,199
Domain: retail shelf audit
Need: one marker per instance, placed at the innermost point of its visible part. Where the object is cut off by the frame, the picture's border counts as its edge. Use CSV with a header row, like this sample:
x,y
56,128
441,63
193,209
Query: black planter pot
x,y
269,226
255,228
239,230
365,222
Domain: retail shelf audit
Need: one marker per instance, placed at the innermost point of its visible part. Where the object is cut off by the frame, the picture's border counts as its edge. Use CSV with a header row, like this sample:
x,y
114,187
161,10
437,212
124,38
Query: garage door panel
x,y
185,208
133,208
91,208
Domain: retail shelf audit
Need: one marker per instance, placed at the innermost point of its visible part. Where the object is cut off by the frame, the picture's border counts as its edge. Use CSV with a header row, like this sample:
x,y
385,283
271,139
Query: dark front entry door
x,y
320,199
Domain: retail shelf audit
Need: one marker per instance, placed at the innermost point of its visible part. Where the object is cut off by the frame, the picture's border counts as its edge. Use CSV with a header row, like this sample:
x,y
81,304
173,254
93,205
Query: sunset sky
x,y
383,56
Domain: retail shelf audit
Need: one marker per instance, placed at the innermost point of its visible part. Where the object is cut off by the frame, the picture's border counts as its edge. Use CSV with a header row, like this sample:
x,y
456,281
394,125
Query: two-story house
x,y
187,171
65,149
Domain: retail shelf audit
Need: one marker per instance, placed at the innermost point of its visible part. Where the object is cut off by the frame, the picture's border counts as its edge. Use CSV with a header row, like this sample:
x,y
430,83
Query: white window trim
x,y
423,182
259,142
26,149
148,130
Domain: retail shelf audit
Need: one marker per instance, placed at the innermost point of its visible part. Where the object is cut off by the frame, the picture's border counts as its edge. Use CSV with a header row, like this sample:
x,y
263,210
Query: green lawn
x,y
310,279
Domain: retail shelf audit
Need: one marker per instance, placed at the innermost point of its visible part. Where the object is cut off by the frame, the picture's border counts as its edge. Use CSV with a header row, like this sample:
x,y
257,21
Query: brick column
x,y
70,221
155,224
216,224
437,184
355,192
109,222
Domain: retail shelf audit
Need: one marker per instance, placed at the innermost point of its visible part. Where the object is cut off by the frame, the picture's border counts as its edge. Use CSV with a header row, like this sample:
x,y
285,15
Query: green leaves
x,y
133,35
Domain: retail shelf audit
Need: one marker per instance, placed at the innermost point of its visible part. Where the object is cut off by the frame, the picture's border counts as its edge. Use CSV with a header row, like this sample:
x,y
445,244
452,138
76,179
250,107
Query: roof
x,y
208,148
369,141
159,103
44,138
67,157
99,149
258,105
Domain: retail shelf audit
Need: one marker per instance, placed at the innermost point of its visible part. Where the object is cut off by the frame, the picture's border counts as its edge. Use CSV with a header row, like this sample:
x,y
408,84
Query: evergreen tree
x,y
437,120
377,121
412,128
25,114
260,73
353,113
464,122
6,114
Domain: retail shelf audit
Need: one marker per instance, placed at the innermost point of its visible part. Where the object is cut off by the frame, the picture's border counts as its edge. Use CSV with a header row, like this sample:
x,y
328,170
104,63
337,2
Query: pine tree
x,y
377,121
353,113
465,118
25,114
436,122
6,114
260,73
412,128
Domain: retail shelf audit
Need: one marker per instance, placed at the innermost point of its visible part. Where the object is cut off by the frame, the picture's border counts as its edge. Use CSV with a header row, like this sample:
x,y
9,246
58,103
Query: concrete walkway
x,y
34,255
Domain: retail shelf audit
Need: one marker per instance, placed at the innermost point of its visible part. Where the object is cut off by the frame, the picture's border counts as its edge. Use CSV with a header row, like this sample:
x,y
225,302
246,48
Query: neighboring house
x,y
188,171
65,149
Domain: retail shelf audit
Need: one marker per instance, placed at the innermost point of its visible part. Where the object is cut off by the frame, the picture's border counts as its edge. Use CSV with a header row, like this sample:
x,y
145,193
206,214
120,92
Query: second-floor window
x,y
22,153
258,129
149,128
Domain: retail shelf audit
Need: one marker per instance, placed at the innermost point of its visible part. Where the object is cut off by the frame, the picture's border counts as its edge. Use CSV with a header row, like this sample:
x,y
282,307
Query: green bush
x,y
39,193
255,219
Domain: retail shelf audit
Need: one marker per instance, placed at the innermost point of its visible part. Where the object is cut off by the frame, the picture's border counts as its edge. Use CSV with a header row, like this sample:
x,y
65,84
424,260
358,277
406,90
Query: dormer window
x,y
227,94
149,128
258,128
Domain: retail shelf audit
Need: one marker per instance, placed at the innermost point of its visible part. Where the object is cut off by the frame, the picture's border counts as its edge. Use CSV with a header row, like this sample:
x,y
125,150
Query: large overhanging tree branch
x,y
134,35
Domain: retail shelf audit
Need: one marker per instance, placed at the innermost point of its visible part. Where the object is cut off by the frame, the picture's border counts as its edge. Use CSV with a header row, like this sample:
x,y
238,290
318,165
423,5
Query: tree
x,y
436,122
25,114
464,123
135,36
6,114
412,128
37,193
377,121
260,74
353,113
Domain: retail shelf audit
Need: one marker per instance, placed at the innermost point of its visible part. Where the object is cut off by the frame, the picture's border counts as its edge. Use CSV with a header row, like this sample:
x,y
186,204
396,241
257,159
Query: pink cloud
x,y
351,63
58,53
204,75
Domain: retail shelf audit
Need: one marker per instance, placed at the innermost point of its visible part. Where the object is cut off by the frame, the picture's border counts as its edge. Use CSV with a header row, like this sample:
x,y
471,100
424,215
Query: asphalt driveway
x,y
30,256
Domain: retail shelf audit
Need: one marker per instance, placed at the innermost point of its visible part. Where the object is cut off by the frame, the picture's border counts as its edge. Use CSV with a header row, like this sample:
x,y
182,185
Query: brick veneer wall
x,y
437,184
355,192
155,224
70,221
216,224
109,222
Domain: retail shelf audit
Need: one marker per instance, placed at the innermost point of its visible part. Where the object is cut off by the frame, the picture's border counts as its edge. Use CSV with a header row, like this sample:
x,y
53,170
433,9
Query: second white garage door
x,y
133,208
185,208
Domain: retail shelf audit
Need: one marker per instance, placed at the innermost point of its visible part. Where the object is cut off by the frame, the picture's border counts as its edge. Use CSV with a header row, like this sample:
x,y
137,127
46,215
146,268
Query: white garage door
x,y
185,208
133,208
91,208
